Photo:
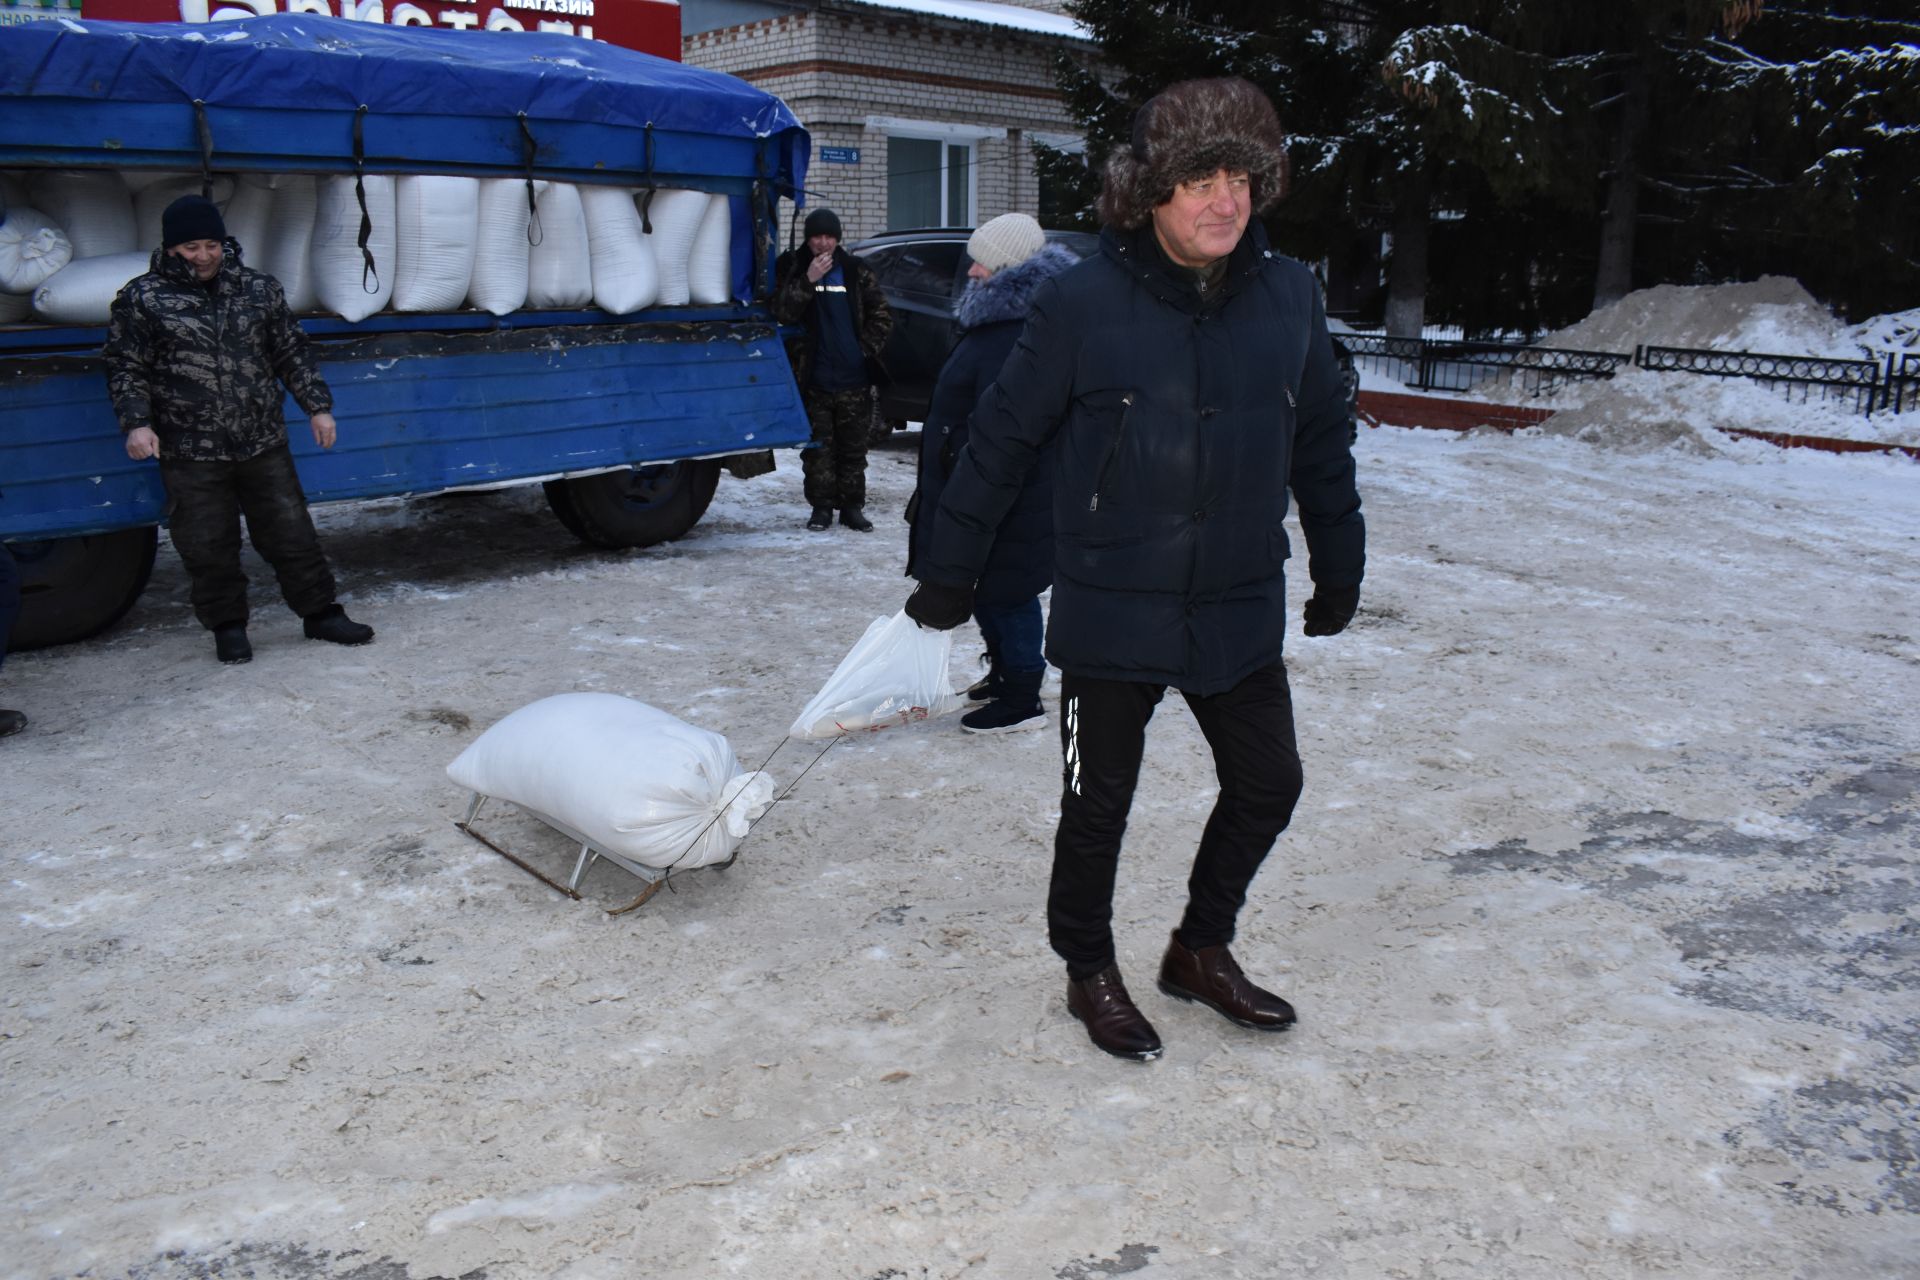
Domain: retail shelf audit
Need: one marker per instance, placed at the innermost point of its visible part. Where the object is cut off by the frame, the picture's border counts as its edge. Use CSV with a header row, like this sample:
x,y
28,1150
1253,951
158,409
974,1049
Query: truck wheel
x,y
72,588
635,508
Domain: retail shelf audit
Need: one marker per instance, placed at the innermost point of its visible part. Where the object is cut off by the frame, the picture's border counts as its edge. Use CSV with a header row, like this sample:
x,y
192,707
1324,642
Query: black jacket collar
x,y
1139,254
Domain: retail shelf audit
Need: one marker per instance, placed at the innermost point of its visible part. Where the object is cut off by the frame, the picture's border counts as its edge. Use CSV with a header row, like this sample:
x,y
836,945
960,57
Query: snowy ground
x,y
1600,912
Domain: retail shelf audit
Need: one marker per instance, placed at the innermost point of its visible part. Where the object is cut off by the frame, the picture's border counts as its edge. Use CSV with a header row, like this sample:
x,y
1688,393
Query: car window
x,y
928,267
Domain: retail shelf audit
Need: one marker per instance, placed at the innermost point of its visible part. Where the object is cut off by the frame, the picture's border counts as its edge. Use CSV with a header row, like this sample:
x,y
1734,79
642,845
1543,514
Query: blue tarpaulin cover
x,y
322,64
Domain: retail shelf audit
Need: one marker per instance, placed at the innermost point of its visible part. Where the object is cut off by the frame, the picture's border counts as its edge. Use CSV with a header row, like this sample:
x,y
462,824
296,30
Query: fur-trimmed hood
x,y
1191,130
1008,294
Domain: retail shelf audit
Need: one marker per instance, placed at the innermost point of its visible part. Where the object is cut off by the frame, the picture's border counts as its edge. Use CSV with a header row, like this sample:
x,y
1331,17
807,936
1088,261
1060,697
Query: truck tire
x,y
638,507
72,588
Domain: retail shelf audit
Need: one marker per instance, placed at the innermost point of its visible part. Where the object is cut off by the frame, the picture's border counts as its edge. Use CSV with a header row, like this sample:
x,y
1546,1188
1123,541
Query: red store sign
x,y
651,26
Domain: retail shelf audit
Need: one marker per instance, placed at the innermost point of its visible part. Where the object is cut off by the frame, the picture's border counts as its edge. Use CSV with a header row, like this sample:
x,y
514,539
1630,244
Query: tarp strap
x,y
360,192
534,233
646,201
205,131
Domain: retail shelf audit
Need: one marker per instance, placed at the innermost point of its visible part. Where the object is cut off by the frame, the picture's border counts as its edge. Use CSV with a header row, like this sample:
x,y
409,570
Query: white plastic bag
x,y
710,264
92,206
82,292
436,219
625,276
32,248
559,266
631,778
675,215
501,253
340,278
896,674
248,214
287,255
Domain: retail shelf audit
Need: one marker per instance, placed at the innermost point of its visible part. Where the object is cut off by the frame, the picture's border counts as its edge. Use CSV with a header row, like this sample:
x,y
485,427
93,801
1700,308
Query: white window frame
x,y
948,134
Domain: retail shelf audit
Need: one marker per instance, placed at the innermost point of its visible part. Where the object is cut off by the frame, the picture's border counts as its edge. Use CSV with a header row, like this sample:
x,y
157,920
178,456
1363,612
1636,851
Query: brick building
x,y
922,112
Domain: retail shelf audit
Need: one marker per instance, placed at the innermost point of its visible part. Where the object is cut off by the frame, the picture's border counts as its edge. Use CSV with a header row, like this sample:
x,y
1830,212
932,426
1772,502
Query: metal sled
x,y
654,877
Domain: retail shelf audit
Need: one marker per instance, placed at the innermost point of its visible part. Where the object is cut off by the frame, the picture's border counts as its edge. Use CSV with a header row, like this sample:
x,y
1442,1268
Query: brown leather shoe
x,y
1114,1023
1211,977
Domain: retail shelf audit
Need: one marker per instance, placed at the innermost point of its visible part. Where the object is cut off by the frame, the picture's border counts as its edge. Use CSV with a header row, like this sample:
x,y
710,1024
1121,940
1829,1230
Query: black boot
x,y
230,643
334,626
821,519
1114,1023
856,519
11,722
1016,707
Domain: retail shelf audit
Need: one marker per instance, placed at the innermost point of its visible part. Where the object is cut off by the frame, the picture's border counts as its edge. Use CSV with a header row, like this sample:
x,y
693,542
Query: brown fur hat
x,y
1190,130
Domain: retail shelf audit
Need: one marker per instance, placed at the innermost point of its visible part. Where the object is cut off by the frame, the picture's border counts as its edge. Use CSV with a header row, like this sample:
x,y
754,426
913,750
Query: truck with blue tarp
x,y
625,418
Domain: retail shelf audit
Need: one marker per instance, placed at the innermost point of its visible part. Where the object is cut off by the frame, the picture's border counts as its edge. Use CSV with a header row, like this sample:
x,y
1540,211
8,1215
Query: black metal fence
x,y
1441,364
1433,364
1902,383
1800,377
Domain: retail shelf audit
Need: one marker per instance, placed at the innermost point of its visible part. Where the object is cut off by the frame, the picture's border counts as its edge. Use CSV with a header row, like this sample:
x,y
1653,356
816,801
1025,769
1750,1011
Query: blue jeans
x,y
9,598
1012,633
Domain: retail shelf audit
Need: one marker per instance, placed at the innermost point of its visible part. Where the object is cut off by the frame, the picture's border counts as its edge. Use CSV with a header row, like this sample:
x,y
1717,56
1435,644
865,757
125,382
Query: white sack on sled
x,y
633,779
895,674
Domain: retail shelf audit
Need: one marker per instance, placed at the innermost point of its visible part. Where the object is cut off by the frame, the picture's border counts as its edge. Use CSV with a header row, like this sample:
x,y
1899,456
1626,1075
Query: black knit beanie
x,y
823,222
191,218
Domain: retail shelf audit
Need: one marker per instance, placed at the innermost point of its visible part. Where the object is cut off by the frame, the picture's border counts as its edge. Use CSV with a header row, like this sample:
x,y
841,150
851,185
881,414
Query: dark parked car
x,y
922,272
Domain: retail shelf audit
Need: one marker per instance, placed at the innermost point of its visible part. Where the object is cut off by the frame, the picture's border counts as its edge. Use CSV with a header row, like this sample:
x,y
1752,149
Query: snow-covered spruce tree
x,y
1818,182
1579,106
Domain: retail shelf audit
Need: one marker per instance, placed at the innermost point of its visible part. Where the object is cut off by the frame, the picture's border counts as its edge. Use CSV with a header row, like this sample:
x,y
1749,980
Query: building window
x,y
929,182
932,171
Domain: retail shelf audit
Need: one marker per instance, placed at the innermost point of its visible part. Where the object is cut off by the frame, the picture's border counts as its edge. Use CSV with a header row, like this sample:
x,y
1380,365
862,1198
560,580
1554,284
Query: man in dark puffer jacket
x,y
1185,381
1011,260
197,350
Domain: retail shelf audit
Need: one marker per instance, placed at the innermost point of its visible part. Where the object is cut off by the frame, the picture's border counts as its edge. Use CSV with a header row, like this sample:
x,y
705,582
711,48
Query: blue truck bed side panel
x,y
424,412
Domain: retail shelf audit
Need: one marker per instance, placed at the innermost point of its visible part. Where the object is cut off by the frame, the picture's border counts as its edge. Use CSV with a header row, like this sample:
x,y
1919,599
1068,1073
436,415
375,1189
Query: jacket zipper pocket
x,y
1113,451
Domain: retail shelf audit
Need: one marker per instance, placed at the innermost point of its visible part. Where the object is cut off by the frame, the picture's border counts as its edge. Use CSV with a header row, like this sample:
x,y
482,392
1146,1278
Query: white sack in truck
x,y
625,276
82,291
436,220
340,277
94,208
151,201
675,216
288,253
248,214
501,251
559,265
710,264
631,778
31,249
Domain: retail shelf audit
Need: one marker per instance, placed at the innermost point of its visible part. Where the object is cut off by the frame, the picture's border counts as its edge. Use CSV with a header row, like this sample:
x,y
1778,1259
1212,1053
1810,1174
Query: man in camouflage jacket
x,y
197,351
836,299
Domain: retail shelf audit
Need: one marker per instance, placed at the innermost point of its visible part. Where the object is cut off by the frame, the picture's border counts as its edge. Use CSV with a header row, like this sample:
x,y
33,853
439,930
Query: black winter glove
x,y
1331,609
939,607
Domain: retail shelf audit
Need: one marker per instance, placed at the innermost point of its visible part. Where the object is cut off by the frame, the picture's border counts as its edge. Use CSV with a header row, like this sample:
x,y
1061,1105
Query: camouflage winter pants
x,y
205,501
834,469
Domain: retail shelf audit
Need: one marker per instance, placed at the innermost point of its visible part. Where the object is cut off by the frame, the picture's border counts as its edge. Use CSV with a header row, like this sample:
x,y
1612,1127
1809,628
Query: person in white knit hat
x,y
1011,260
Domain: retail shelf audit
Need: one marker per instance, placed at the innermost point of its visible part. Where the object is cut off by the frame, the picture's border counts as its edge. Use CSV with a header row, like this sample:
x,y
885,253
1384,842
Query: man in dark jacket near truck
x,y
1184,380
197,350
836,299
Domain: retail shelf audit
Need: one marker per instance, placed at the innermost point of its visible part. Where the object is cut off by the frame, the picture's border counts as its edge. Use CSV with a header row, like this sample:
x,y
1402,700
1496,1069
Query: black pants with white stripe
x,y
1103,733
